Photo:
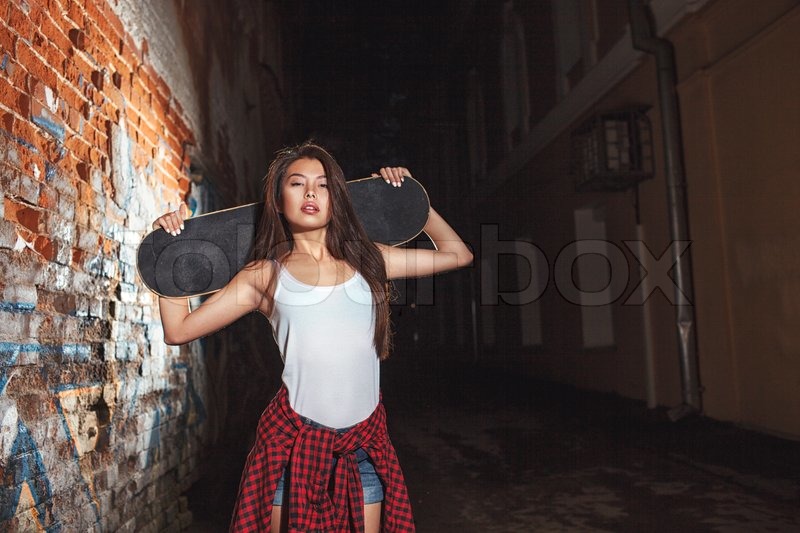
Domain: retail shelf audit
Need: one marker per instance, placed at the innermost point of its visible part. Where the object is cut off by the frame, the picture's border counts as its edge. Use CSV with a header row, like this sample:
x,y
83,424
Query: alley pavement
x,y
490,451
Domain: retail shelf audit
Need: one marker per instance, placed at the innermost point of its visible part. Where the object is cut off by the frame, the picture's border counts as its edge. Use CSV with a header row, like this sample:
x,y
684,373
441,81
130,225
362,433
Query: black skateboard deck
x,y
212,248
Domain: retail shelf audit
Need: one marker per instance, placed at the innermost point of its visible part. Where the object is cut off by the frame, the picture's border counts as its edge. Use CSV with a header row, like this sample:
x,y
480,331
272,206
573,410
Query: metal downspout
x,y
645,39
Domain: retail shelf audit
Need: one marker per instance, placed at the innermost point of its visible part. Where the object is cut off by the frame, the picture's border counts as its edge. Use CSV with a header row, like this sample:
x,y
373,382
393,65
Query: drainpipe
x,y
644,39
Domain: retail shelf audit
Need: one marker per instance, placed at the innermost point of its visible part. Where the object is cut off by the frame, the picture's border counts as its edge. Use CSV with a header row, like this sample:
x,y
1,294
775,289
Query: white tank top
x,y
325,336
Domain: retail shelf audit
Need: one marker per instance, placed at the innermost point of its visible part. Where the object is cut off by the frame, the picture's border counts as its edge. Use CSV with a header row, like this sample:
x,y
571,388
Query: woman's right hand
x,y
172,222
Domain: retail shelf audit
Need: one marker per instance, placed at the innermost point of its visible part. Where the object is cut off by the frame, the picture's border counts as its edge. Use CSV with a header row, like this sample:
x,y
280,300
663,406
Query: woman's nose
x,y
310,194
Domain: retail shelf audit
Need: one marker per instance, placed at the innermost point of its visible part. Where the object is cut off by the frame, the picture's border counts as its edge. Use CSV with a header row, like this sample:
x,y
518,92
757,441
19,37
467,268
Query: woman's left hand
x,y
393,175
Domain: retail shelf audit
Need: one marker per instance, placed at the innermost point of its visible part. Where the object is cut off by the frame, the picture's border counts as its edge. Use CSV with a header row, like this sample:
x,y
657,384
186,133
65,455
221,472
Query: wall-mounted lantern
x,y
612,151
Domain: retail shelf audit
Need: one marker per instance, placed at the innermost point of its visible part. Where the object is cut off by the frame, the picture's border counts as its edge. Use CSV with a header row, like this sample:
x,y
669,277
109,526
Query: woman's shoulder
x,y
262,265
259,272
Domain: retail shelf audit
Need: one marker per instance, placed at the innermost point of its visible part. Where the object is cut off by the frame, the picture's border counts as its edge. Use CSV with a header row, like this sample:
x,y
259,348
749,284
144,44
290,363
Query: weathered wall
x,y
738,81
742,121
101,423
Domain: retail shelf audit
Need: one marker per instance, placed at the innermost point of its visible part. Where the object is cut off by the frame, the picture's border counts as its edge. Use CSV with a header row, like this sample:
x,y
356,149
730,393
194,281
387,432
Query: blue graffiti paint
x,y
17,307
79,353
56,130
50,171
9,352
25,466
4,64
20,141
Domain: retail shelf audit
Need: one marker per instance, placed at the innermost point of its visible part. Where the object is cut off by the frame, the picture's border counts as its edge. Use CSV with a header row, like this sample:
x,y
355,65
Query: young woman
x,y
322,460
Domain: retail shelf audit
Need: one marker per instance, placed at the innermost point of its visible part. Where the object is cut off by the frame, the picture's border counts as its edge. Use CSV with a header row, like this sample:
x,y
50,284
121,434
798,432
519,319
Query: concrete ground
x,y
485,452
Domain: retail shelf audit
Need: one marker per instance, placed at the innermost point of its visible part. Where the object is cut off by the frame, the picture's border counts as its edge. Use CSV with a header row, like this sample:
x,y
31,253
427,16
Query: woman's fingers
x,y
172,222
394,175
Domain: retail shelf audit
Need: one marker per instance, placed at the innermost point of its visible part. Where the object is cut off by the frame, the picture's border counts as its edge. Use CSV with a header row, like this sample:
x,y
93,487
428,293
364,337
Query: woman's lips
x,y
309,208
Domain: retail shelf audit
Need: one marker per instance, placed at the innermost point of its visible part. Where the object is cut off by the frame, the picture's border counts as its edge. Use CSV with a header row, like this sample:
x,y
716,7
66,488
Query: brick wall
x,y
101,423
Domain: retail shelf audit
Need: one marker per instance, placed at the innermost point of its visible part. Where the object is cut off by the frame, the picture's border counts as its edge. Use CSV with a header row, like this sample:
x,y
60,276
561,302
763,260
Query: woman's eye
x,y
323,185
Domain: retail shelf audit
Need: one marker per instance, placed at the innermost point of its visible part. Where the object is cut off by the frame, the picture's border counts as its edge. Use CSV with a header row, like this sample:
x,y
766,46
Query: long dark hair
x,y
345,239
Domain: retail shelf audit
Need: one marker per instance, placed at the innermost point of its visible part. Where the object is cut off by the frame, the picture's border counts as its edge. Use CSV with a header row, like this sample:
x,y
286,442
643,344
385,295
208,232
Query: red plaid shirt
x,y
282,438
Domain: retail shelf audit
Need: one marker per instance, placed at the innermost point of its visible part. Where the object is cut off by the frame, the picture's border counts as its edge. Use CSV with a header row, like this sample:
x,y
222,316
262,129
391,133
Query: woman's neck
x,y
311,244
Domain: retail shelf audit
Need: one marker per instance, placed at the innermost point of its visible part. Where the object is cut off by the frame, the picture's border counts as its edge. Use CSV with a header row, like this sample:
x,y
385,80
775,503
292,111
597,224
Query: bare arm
x,y
451,251
243,294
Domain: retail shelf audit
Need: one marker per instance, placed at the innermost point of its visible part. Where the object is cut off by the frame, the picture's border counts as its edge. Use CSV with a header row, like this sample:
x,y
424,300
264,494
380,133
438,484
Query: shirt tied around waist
x,y
323,497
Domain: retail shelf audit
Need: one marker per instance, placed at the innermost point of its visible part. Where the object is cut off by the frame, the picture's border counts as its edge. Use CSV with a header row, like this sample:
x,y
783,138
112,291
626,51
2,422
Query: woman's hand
x,y
393,175
172,222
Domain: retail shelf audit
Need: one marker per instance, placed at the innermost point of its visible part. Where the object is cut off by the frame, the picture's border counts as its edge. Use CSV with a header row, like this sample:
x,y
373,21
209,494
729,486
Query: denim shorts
x,y
370,482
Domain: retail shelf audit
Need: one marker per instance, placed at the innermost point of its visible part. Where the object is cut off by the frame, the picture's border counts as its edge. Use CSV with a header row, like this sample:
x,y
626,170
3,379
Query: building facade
x,y
577,276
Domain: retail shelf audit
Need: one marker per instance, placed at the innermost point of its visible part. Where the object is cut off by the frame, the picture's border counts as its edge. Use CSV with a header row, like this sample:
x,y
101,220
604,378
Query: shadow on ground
x,y
487,451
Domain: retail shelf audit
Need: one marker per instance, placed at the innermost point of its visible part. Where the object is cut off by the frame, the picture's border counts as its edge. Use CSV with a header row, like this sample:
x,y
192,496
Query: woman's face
x,y
304,200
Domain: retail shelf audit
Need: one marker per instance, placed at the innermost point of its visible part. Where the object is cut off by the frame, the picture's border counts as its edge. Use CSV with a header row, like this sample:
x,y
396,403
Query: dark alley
x,y
591,311
487,451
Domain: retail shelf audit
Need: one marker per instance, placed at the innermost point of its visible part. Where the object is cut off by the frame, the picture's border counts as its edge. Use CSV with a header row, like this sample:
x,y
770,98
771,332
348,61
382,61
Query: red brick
x,y
129,52
94,156
113,32
22,129
87,194
36,66
150,134
14,99
84,63
138,96
63,22
75,13
102,52
48,197
23,214
148,76
45,247
160,105
54,34
36,12
98,78
102,122
37,89
74,121
73,98
55,57
17,75
77,38
7,40
20,22
78,147
114,101
78,257
72,72
173,146
99,138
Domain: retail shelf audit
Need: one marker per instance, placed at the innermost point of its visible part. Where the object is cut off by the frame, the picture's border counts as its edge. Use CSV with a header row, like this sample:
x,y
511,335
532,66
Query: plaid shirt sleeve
x,y
323,498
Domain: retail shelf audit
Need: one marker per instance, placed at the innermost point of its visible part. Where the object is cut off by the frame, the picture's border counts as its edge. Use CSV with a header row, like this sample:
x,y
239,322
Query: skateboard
x,y
213,247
